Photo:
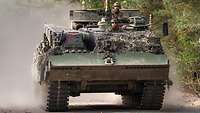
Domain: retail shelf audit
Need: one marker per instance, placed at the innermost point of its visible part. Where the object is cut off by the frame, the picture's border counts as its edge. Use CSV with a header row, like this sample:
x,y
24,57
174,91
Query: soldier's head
x,y
117,5
116,8
115,25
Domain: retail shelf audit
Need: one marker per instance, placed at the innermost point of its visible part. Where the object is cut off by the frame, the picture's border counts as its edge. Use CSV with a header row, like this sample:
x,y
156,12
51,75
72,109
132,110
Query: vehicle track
x,y
152,97
58,96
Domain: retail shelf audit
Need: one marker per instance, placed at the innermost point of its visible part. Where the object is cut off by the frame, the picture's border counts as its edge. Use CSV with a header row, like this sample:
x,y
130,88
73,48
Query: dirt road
x,y
21,26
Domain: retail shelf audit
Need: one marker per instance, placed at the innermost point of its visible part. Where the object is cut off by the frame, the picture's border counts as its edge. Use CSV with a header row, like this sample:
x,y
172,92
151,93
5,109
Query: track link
x,y
152,96
131,100
58,96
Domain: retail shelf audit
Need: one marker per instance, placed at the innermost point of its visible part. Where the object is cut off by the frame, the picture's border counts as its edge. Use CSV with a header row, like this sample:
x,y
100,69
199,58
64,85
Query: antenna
x,y
107,10
106,6
150,21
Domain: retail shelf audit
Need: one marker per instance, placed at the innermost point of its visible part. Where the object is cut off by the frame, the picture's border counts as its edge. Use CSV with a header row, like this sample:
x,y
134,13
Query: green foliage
x,y
184,16
92,3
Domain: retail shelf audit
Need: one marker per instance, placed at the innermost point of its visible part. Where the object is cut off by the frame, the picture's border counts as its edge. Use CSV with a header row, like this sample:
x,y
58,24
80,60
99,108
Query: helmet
x,y
114,21
102,22
117,4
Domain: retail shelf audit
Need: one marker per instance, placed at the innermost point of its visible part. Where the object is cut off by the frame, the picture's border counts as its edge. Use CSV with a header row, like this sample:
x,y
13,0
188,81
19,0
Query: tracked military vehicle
x,y
126,59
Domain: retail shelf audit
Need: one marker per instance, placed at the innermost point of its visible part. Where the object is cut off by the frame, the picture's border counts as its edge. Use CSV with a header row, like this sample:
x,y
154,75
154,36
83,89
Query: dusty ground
x,y
21,26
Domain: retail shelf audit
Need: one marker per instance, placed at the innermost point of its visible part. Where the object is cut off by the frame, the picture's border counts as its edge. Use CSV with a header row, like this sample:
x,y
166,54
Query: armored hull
x,y
128,62
92,67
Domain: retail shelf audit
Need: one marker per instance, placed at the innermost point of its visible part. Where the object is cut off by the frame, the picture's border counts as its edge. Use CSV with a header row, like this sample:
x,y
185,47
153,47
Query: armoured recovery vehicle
x,y
128,61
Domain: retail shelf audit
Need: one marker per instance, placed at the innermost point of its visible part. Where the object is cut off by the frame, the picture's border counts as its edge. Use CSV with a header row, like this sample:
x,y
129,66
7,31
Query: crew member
x,y
115,25
116,14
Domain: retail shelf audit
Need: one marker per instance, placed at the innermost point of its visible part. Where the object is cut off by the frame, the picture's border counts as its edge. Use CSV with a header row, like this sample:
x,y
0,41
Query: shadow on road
x,y
121,108
99,108
105,109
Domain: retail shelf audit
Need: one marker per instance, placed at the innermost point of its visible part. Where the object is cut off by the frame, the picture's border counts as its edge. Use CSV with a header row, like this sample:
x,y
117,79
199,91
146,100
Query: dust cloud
x,y
21,27
176,98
